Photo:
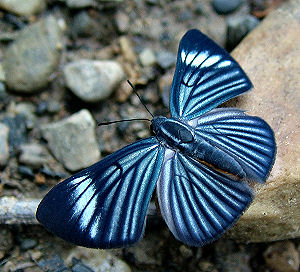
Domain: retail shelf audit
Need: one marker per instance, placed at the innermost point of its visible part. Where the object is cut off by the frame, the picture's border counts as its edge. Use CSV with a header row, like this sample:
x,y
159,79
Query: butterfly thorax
x,y
177,135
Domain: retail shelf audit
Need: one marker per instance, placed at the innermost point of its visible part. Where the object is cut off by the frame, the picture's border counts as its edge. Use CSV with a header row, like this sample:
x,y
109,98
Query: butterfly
x,y
200,161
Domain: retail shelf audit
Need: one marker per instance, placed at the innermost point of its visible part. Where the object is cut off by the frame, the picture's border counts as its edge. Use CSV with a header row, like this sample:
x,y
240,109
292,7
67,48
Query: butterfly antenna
x,y
120,121
133,88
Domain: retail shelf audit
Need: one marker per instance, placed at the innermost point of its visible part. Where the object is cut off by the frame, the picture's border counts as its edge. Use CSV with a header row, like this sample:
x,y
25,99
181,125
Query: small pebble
x,y
2,73
73,140
53,107
238,28
28,244
166,59
225,6
23,8
84,25
26,172
80,3
93,80
6,241
282,257
41,108
4,147
78,266
33,155
56,264
122,21
52,174
17,131
147,57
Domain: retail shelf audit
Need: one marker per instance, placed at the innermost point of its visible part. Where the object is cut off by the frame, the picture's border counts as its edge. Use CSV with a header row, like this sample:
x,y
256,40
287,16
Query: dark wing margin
x,y
104,205
205,76
249,140
198,203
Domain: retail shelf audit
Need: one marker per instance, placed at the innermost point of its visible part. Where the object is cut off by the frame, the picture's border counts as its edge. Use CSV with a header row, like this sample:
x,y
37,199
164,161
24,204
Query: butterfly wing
x,y
198,203
205,76
249,140
104,205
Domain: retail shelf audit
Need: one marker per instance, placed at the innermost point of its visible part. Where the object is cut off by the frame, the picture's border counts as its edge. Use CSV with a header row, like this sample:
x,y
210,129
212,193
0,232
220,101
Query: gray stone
x,y
238,27
4,147
147,57
73,141
225,6
122,21
33,56
2,74
98,260
24,8
92,80
80,3
84,25
166,59
33,155
17,131
6,241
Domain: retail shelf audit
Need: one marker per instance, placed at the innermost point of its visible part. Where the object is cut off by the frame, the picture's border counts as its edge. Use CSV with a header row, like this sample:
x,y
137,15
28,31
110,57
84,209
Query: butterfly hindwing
x,y
104,205
197,202
205,76
249,140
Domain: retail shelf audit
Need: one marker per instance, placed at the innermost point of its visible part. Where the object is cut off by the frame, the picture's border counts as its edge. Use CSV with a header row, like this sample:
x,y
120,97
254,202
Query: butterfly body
x,y
179,135
188,162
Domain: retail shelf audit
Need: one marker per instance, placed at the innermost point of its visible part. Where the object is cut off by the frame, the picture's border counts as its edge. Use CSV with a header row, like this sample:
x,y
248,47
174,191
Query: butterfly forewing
x,y
247,139
205,76
104,206
197,202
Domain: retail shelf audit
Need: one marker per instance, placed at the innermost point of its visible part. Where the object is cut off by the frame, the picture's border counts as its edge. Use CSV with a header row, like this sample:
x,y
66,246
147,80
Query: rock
x,y
98,260
23,8
122,21
84,25
127,50
25,108
282,257
55,263
17,131
93,80
27,243
270,57
229,257
225,6
6,241
73,141
25,172
4,147
147,57
33,155
166,59
80,3
238,27
2,73
32,58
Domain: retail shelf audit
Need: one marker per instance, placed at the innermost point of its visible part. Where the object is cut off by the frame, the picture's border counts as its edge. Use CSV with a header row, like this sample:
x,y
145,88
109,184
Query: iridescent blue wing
x,y
104,206
198,203
247,139
205,76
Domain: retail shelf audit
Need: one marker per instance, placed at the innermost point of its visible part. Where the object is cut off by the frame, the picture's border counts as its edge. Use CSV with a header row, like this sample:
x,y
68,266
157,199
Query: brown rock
x,y
270,57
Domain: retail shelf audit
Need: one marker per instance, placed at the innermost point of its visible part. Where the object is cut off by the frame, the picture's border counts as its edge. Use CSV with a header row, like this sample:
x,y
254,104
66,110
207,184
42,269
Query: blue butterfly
x,y
199,160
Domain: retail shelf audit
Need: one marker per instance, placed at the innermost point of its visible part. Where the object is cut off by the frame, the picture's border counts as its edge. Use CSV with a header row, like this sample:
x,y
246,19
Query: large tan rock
x,y
270,55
